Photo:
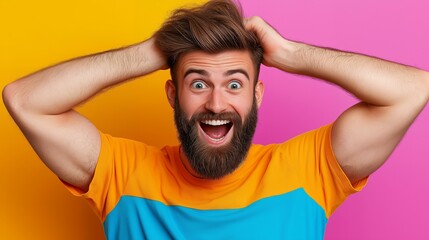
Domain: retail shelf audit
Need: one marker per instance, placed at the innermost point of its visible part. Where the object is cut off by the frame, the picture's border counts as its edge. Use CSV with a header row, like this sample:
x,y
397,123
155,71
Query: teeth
x,y
216,122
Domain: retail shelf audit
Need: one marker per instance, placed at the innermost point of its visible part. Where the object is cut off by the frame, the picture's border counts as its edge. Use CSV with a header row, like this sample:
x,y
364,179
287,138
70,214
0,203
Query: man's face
x,y
215,106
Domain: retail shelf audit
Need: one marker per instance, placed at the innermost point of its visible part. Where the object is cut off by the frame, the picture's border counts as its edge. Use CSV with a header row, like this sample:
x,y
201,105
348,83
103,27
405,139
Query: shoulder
x,y
311,140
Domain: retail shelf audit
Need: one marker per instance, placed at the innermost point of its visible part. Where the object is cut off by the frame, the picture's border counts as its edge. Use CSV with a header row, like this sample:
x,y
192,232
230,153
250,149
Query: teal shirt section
x,y
292,215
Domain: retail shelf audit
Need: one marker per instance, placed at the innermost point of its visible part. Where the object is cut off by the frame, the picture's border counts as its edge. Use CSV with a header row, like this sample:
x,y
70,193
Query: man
x,y
216,184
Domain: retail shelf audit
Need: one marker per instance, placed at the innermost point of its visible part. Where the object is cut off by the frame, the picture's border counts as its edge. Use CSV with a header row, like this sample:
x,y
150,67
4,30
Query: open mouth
x,y
216,130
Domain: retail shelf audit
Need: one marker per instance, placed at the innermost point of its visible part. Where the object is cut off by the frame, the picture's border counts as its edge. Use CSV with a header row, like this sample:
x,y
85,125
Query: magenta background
x,y
394,205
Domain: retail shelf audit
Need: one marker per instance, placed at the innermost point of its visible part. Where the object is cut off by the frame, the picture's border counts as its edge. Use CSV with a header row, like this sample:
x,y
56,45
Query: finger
x,y
246,23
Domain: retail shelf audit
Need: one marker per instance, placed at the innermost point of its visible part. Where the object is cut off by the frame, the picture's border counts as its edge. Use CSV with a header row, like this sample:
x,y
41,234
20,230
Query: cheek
x,y
242,105
189,103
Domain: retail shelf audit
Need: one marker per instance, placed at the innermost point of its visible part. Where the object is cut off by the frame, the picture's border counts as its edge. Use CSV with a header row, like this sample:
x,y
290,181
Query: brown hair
x,y
213,27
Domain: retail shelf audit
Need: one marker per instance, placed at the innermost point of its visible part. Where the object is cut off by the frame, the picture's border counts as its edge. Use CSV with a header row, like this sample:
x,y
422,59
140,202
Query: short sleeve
x,y
319,171
116,162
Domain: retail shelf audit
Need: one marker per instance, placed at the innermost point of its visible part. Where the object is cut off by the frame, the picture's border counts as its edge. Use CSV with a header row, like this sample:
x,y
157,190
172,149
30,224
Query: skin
x,y
392,95
216,83
363,136
42,106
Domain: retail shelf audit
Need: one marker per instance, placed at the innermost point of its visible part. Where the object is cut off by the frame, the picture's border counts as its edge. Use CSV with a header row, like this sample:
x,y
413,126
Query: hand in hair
x,y
152,56
389,93
277,50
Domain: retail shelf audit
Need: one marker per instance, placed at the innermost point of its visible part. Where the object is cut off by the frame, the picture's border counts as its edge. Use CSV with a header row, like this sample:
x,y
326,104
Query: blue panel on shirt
x,y
292,215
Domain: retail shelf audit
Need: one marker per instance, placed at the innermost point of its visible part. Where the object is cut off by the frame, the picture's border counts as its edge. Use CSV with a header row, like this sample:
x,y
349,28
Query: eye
x,y
199,85
234,85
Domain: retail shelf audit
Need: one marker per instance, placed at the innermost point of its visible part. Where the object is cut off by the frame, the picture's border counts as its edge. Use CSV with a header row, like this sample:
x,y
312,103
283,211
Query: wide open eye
x,y
234,85
199,85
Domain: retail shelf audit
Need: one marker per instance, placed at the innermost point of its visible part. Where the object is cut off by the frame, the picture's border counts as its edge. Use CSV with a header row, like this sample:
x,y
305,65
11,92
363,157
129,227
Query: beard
x,y
215,162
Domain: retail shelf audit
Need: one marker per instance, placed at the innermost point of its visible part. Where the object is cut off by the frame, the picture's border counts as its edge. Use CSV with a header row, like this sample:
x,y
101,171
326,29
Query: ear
x,y
259,92
170,91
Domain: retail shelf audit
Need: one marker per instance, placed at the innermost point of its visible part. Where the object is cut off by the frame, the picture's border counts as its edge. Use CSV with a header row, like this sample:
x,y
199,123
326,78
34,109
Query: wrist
x,y
151,57
293,54
287,57
142,59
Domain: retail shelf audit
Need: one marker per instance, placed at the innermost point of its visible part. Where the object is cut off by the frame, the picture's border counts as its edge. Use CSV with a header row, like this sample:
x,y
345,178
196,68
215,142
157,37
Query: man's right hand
x,y
42,106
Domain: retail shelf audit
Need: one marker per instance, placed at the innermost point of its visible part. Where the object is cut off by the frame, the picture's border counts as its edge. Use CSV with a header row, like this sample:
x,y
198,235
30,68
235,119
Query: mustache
x,y
201,116
209,162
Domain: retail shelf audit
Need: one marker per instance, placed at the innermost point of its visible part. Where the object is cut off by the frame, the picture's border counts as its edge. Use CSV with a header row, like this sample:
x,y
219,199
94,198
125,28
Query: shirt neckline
x,y
238,174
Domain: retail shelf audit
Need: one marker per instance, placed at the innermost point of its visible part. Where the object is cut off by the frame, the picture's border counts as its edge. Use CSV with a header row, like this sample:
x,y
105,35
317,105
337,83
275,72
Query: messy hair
x,y
213,27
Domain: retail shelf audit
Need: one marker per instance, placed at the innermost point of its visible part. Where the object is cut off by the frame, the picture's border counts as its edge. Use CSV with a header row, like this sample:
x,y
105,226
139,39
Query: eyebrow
x,y
197,71
234,71
227,73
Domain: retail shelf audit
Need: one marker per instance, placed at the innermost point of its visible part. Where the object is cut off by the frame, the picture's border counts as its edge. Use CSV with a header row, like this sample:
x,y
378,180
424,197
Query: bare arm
x,y
42,106
392,96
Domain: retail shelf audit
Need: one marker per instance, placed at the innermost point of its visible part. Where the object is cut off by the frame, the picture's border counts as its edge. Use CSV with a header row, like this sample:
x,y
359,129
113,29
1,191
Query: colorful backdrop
x,y
36,34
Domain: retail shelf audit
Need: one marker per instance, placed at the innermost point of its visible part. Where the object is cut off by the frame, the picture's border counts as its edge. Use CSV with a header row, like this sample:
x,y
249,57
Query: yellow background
x,y
37,34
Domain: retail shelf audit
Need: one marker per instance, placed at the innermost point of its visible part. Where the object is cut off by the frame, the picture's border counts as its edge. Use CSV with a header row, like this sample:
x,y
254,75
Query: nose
x,y
216,102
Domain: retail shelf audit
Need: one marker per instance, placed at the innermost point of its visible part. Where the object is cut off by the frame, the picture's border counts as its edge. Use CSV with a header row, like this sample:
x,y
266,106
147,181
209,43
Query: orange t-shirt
x,y
285,191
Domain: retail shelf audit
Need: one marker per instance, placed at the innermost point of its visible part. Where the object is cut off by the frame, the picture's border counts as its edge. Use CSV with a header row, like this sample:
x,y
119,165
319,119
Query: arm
x,y
42,106
392,96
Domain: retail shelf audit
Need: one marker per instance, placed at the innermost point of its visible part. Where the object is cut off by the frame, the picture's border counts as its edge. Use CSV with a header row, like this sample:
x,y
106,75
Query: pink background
x,y
394,205
34,204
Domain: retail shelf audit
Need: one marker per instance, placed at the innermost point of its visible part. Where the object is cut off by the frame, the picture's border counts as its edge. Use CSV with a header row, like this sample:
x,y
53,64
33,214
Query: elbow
x,y
419,94
426,86
11,99
8,94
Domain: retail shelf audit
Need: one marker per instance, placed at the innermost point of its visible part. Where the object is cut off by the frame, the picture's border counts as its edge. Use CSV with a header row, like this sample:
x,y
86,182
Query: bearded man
x,y
217,184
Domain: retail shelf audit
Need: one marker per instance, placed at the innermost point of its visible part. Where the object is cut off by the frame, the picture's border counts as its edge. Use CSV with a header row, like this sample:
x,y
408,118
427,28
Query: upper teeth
x,y
216,122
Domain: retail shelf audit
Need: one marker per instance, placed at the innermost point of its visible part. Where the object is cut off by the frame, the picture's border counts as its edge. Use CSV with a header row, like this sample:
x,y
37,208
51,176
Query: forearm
x,y
392,96
374,81
60,88
41,104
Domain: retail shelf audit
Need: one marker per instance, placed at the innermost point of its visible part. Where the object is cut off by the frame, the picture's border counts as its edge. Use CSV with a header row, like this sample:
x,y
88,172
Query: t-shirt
x,y
280,191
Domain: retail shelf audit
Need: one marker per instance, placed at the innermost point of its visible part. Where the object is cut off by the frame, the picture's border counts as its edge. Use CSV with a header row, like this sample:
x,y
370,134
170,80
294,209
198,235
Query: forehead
x,y
216,63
